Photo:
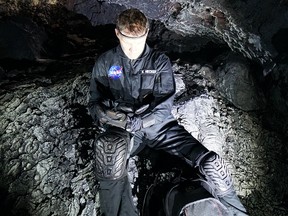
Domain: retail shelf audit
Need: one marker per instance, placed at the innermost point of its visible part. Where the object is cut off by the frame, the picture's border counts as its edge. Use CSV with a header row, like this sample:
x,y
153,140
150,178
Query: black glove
x,y
133,124
110,117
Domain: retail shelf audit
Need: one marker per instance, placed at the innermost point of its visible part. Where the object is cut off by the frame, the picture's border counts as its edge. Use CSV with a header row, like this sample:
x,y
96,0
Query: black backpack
x,y
181,197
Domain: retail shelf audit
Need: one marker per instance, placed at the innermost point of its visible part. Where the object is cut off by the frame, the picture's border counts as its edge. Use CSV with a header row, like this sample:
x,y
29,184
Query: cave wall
x,y
46,139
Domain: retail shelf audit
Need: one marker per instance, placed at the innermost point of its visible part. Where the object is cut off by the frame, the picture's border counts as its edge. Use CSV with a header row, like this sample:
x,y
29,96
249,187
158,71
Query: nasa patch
x,y
115,72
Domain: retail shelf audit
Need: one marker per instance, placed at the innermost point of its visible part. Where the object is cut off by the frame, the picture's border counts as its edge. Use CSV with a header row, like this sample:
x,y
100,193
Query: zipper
x,y
130,75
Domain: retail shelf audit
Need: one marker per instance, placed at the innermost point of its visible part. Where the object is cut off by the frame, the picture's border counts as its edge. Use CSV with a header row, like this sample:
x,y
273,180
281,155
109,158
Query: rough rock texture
x,y
243,26
246,27
235,81
42,169
47,136
253,152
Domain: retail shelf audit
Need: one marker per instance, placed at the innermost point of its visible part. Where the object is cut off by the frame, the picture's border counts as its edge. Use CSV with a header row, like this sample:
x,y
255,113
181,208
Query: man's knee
x,y
216,172
111,152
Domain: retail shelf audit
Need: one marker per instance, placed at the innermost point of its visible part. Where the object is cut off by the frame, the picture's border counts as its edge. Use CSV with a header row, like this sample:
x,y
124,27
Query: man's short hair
x,y
133,20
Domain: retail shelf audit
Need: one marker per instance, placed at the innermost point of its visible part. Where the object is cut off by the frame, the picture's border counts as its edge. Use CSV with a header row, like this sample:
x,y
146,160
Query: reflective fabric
x,y
205,207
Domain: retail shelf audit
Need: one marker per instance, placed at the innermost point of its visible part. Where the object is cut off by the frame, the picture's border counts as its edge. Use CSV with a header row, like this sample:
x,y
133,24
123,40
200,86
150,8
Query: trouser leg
x,y
111,154
116,198
177,141
215,171
127,205
232,202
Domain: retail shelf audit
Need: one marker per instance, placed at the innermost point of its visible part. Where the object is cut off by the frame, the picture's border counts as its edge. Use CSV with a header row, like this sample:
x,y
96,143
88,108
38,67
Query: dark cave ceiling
x,y
254,28
247,27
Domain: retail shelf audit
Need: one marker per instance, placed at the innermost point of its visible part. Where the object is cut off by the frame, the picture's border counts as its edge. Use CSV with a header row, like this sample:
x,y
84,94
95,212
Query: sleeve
x,y
98,84
164,91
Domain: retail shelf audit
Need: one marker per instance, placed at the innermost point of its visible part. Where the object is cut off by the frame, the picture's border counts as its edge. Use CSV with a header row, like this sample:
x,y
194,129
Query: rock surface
x,y
47,137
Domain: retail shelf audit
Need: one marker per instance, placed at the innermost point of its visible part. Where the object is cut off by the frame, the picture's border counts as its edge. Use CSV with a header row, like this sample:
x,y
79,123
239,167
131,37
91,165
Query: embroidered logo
x,y
115,72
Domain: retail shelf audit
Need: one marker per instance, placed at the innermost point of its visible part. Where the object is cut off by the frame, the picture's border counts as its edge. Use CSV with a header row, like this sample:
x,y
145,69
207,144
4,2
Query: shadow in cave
x,y
14,199
279,41
169,167
269,195
10,206
205,55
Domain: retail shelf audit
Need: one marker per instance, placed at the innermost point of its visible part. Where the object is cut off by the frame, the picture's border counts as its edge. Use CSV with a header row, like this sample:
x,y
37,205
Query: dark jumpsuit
x,y
134,84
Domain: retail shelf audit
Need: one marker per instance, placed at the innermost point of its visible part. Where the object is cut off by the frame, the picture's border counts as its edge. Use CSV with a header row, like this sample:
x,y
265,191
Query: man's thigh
x,y
176,140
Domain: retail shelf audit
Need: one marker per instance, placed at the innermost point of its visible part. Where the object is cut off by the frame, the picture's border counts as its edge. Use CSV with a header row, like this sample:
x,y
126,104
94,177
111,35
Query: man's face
x,y
131,44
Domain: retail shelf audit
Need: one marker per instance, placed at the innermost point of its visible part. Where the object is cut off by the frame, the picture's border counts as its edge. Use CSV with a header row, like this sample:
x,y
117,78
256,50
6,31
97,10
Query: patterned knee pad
x,y
216,172
111,150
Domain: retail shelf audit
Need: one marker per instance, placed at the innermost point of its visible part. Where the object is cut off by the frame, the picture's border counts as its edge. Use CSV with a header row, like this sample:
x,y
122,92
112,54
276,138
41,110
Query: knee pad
x,y
111,152
216,172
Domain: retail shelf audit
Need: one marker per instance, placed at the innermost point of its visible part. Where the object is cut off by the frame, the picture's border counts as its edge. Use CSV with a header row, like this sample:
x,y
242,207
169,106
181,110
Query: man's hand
x,y
110,117
119,119
133,124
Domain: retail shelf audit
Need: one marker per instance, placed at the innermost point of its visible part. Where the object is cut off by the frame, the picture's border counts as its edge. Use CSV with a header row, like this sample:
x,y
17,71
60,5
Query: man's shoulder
x,y
153,52
104,61
108,53
159,55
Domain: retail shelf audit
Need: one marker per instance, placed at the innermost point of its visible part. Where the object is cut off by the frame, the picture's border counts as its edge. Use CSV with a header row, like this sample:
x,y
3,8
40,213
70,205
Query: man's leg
x,y
214,170
116,198
179,142
111,152
127,204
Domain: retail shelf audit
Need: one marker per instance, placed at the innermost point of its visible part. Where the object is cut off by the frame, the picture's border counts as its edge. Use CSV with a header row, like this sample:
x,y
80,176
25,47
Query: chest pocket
x,y
115,76
116,87
147,83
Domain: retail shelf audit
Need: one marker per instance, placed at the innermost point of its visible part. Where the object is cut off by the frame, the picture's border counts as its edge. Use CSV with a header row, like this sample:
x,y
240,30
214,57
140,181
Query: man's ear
x,y
117,32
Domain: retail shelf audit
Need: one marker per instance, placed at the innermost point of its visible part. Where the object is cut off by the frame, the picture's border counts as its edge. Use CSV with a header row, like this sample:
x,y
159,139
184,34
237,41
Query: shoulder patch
x,y
115,72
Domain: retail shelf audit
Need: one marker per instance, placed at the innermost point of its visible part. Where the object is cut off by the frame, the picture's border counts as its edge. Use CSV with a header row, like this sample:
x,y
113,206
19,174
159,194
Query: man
x,y
131,95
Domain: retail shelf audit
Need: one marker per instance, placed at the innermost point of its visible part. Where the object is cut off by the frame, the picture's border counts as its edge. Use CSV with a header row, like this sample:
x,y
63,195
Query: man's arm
x,y
99,91
164,90
94,94
98,103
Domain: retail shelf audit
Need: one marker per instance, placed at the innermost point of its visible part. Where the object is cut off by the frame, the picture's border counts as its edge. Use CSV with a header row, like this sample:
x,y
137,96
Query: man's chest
x,y
129,79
